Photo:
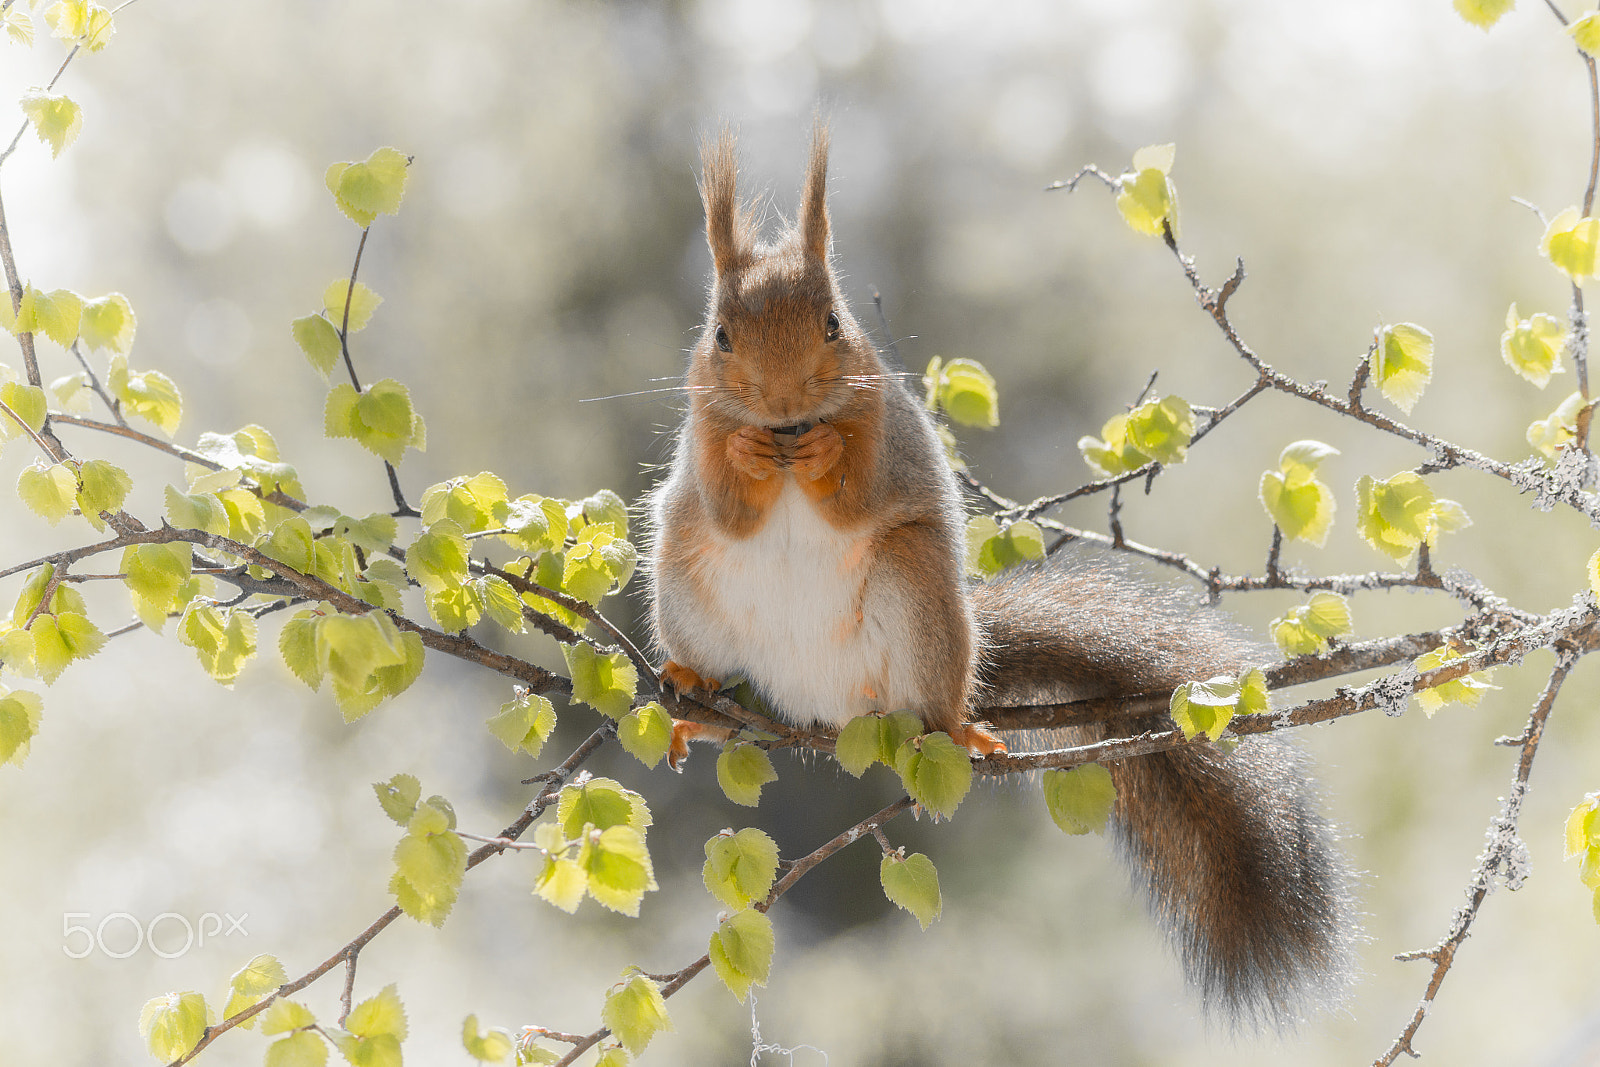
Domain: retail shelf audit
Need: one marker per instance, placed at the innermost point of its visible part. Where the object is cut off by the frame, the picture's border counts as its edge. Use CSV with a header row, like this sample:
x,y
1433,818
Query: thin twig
x,y
1504,859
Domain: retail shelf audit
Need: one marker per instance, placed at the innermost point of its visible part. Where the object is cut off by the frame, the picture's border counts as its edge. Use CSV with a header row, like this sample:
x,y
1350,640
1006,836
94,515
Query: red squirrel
x,y
809,537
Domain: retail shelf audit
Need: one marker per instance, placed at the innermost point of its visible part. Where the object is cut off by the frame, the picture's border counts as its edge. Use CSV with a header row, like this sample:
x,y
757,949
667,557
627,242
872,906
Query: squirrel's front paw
x,y
755,453
686,679
816,451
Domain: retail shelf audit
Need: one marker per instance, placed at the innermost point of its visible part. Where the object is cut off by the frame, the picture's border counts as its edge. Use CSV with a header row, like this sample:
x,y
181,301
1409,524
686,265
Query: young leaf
x,y
524,722
374,1031
49,492
381,419
19,722
261,976
108,323
1162,429
912,883
55,314
283,1016
471,503
742,769
606,683
1304,631
223,638
991,550
1145,195
1483,13
1297,502
966,391
562,883
430,861
741,951
173,1024
157,573
617,866
363,302
1402,363
860,743
1570,242
646,734
1549,435
1205,707
1533,347
601,803
102,487
1394,516
636,1012
56,119
1080,800
18,26
935,771
1467,690
740,867
1585,33
61,638
319,340
399,796
489,1046
26,401
371,187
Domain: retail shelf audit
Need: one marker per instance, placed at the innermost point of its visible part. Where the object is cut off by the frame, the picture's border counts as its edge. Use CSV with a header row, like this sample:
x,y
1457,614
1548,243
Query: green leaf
x,y
1296,501
1583,828
598,564
49,492
80,22
965,390
380,419
173,1024
1533,347
646,734
1205,707
935,771
304,1049
319,340
912,883
284,1015
32,594
524,723
437,559
740,867
489,1046
18,26
606,683
742,769
223,638
250,983
1162,429
614,1056
604,507
20,713
399,796
1146,196
533,523
1397,515
1483,13
601,803
1305,630
741,951
158,573
1080,800
991,549
202,511
1585,33
54,314
108,323
374,1031
56,119
430,862
1570,242
618,868
1402,363
26,401
149,394
860,743
636,1012
61,638
72,392
363,302
1467,690
562,883
102,487
371,187
1112,454
1551,434
471,503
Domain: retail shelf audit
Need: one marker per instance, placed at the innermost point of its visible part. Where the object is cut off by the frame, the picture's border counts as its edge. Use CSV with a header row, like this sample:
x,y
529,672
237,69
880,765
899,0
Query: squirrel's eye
x,y
722,339
831,333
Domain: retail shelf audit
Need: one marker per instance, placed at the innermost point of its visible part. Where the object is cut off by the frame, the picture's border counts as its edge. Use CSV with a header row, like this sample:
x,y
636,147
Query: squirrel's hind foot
x,y
977,739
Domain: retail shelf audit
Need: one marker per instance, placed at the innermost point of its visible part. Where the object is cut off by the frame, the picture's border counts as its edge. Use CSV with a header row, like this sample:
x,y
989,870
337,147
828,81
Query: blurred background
x,y
1360,157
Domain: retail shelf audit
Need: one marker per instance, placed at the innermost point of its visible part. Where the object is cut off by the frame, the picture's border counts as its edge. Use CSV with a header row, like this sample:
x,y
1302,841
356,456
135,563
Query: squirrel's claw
x,y
816,451
977,740
755,453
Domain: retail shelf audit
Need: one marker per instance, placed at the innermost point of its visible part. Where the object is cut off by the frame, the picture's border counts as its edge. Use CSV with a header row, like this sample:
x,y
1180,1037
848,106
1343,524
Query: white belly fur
x,y
787,603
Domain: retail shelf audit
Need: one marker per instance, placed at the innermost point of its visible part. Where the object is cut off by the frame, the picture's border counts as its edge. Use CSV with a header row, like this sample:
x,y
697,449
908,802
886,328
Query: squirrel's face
x,y
780,346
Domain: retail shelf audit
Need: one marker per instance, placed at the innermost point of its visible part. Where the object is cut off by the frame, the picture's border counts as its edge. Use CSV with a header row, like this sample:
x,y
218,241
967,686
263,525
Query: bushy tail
x,y
1230,850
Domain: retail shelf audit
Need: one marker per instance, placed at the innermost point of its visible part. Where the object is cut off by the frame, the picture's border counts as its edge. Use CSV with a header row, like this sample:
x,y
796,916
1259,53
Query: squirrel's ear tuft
x,y
727,230
814,197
